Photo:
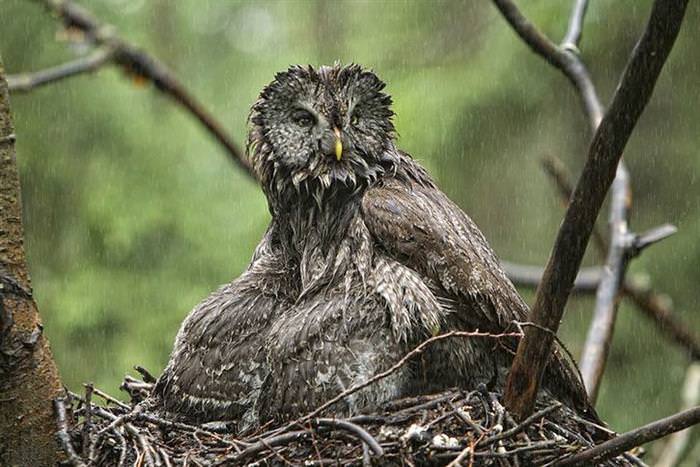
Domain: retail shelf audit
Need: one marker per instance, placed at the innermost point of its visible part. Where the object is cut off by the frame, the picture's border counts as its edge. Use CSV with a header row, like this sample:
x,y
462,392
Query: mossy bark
x,y
29,380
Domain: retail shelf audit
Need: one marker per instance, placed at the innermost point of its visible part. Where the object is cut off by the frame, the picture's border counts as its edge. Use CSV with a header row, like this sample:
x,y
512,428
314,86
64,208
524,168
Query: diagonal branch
x,y
649,302
637,437
140,64
561,57
566,58
26,82
599,338
630,99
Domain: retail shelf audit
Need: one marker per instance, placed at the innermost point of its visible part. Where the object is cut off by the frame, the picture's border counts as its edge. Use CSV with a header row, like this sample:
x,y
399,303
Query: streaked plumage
x,y
364,258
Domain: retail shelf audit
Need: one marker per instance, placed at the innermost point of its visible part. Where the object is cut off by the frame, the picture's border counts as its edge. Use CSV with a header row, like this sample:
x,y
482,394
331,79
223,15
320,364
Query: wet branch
x,y
678,442
586,281
637,437
564,57
630,99
651,303
26,82
575,29
599,337
136,63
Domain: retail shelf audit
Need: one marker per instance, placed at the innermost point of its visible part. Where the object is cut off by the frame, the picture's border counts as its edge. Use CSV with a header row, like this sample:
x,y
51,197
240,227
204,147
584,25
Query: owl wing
x,y
416,224
419,226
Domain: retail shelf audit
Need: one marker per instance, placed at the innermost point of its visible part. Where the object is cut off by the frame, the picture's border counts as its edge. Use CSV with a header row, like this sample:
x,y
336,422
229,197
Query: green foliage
x,y
134,214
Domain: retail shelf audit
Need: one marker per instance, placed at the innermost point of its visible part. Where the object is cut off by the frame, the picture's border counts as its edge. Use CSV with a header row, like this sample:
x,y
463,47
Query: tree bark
x,y
29,380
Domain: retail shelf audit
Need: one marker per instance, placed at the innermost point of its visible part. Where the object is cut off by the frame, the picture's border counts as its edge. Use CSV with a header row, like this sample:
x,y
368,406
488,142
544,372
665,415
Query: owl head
x,y
321,131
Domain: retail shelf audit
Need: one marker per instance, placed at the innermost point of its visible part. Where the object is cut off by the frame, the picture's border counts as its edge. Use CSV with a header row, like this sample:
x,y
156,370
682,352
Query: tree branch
x,y
673,451
600,332
586,281
139,63
637,437
563,58
566,58
26,82
631,97
575,29
649,302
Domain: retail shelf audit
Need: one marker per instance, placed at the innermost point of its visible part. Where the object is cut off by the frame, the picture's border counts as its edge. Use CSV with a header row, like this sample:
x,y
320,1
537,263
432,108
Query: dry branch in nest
x,y
452,428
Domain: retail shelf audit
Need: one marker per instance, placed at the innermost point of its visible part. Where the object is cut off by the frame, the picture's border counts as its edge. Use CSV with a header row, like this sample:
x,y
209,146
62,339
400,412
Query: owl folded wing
x,y
415,223
419,226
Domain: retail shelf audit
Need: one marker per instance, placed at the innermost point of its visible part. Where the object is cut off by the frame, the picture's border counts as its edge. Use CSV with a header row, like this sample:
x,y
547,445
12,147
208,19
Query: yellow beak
x,y
338,145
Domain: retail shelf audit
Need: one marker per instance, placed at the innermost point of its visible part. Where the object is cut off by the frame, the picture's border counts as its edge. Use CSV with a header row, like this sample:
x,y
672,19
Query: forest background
x,y
133,214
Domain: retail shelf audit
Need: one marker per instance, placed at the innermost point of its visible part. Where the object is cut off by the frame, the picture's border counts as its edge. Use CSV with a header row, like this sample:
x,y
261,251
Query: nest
x,y
457,427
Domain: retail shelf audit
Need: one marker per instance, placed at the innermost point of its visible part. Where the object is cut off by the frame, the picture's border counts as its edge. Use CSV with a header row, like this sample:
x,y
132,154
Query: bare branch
x,y
600,332
659,311
558,172
649,302
637,437
564,59
673,451
138,63
63,435
586,281
652,304
575,29
631,97
26,82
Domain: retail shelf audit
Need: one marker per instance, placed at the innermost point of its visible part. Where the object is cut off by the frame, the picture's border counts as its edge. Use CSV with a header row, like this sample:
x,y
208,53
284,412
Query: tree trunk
x,y
29,380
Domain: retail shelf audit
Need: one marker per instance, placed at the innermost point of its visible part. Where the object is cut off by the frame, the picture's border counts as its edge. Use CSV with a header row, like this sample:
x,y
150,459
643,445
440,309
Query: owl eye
x,y
303,118
354,120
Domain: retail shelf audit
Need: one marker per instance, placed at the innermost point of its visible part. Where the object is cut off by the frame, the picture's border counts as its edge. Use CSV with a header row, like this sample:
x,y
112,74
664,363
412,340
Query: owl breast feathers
x,y
364,259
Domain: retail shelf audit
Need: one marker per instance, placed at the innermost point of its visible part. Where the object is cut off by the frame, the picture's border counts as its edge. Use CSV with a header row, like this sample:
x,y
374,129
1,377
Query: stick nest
x,y
469,428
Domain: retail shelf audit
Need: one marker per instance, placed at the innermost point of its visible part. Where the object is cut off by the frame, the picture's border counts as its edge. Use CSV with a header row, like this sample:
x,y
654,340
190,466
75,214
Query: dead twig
x,y
62,433
637,437
355,430
649,302
587,279
599,337
136,63
677,442
25,82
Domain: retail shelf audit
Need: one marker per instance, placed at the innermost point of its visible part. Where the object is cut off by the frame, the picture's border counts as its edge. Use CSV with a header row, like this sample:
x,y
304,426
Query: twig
x,y
631,97
261,445
416,351
562,58
87,425
354,429
145,374
586,281
600,332
62,433
26,82
637,437
575,30
673,451
523,425
111,399
655,307
649,302
139,63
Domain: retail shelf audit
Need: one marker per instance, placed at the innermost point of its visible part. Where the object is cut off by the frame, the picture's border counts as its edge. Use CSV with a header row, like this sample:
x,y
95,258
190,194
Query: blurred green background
x,y
133,213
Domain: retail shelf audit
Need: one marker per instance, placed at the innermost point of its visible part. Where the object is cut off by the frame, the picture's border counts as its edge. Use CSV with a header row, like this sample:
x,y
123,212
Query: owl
x,y
364,259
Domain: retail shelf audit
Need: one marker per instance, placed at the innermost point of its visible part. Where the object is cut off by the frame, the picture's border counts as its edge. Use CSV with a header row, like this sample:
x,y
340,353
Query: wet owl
x,y
364,258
